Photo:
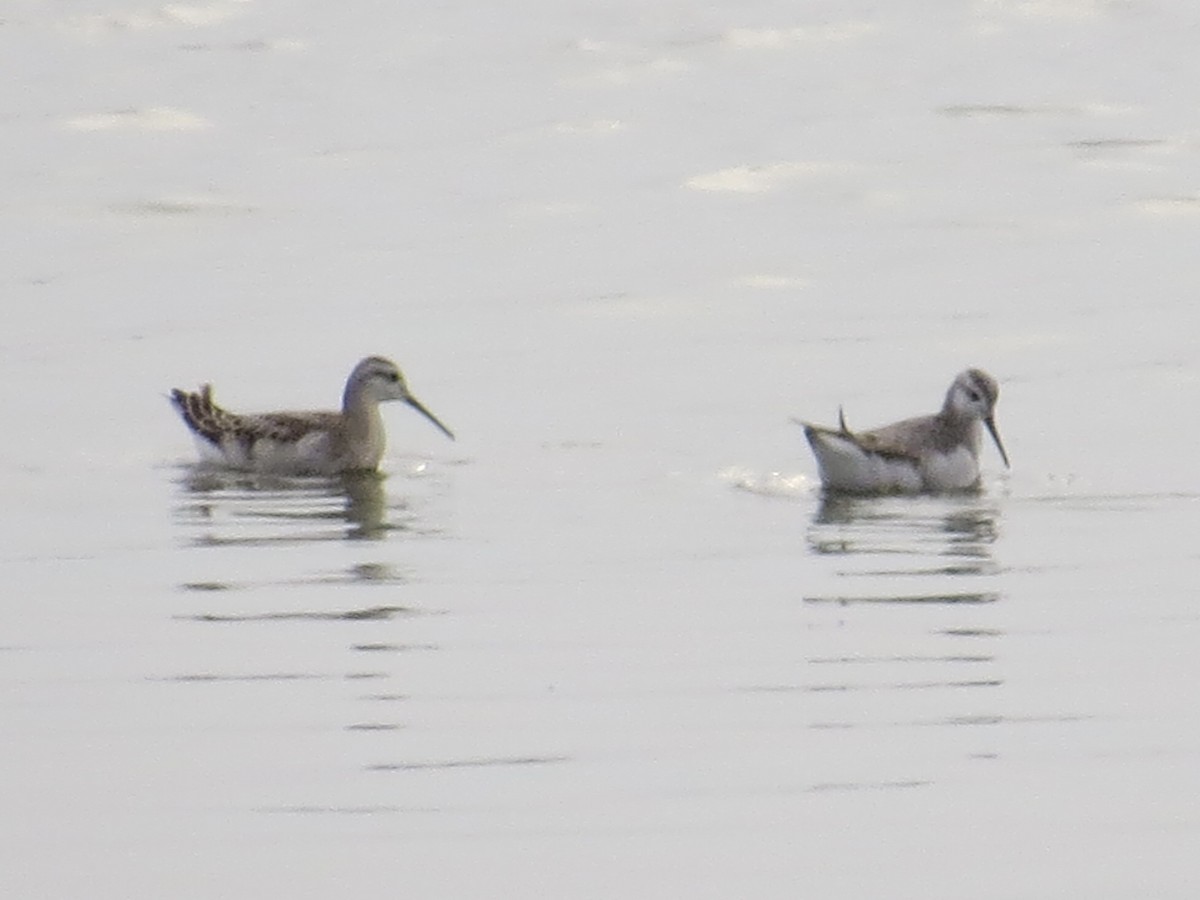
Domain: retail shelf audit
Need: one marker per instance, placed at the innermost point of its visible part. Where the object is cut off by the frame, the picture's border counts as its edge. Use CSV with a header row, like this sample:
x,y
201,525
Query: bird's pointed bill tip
x,y
420,407
991,427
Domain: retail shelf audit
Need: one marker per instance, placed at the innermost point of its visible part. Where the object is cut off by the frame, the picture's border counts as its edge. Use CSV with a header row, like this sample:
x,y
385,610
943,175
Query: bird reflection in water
x,y
247,508
906,619
366,506
889,537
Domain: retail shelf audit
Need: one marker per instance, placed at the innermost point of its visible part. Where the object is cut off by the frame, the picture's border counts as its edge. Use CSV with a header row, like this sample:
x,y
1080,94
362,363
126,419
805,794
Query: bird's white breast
x,y
954,470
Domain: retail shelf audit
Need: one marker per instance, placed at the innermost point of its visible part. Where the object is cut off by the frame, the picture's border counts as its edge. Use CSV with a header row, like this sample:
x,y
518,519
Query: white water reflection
x,y
911,617
229,508
945,543
264,553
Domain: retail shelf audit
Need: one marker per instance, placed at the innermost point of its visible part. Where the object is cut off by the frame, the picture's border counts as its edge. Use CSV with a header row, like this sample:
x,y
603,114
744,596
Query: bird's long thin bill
x,y
420,407
991,427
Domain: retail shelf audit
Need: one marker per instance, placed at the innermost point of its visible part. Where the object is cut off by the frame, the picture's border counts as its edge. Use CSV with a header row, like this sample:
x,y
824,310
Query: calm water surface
x,y
613,641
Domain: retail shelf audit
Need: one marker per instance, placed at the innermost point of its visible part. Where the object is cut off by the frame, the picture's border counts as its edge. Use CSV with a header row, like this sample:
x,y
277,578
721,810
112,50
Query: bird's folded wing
x,y
284,427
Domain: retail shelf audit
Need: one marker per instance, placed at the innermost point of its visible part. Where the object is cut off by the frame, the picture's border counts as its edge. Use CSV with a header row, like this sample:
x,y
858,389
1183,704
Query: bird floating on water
x,y
928,453
304,443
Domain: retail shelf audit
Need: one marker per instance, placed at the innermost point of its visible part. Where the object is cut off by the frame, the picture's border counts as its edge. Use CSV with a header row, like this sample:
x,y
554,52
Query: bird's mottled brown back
x,y
215,425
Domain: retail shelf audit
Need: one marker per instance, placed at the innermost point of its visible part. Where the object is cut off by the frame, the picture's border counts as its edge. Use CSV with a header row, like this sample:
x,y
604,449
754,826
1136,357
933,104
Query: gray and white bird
x,y
303,442
925,454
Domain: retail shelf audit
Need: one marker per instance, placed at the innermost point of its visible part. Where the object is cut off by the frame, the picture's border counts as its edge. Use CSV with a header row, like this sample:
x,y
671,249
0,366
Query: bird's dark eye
x,y
393,376
973,396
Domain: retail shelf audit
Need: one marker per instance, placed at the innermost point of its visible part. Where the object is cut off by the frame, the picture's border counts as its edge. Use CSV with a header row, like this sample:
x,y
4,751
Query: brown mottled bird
x,y
304,443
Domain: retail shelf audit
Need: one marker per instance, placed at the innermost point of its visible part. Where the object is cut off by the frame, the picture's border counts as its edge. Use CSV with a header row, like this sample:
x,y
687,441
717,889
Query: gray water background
x,y
612,642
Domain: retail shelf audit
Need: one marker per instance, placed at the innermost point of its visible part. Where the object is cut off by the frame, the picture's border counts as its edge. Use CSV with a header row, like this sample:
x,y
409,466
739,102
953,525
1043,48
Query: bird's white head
x,y
973,395
378,380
